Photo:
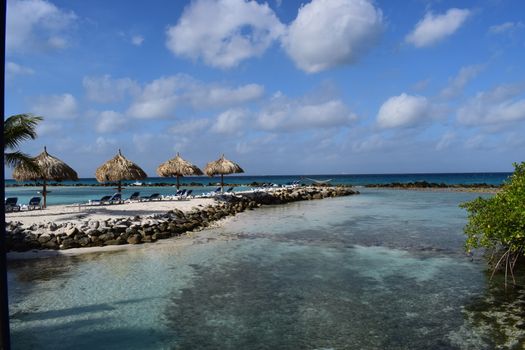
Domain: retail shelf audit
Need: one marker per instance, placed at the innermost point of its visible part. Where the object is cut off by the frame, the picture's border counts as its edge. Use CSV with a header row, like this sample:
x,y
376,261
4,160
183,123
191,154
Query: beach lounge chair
x,y
229,190
34,203
154,196
135,196
180,194
100,201
115,199
186,195
11,204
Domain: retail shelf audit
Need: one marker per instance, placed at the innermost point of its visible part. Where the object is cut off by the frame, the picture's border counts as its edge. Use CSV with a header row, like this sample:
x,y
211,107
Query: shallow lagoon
x,y
385,269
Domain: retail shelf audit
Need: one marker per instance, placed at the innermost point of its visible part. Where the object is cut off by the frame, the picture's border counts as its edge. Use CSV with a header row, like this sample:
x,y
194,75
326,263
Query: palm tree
x,y
18,128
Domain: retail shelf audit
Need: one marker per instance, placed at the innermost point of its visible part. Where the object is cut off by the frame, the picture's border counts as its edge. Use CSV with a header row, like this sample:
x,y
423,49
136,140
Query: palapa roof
x,y
222,166
119,168
49,168
178,167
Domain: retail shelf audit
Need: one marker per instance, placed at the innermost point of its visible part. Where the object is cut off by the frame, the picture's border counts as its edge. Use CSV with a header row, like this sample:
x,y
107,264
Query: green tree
x,y
18,128
498,223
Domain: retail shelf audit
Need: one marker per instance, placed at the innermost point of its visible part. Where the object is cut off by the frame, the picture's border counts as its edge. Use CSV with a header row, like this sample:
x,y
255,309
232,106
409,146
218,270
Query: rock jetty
x,y
136,230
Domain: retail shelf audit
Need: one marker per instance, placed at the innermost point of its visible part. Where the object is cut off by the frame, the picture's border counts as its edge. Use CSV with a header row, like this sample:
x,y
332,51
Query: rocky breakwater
x,y
136,230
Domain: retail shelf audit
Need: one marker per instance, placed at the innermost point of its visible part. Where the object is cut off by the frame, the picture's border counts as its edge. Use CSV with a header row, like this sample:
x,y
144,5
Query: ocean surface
x,y
384,269
69,193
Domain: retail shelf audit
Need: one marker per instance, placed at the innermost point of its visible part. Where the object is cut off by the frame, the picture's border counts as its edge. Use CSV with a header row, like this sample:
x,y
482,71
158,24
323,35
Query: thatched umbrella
x,y
49,169
222,166
119,168
178,167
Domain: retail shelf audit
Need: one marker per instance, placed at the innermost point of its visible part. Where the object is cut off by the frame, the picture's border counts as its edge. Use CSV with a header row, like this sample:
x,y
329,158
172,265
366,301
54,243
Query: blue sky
x,y
281,87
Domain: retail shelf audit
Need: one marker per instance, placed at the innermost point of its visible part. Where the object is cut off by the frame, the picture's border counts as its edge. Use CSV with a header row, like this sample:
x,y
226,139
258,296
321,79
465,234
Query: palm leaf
x,y
18,128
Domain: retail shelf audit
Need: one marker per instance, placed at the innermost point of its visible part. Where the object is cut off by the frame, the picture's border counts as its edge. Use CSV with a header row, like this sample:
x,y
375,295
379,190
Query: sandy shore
x,y
77,214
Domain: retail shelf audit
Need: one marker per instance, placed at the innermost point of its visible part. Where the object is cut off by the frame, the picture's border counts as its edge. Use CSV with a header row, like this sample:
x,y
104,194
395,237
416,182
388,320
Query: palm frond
x,y
14,159
18,128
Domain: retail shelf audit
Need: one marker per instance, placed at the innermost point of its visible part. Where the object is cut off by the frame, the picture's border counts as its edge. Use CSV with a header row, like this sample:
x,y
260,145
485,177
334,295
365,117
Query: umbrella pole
x,y
178,182
44,193
222,183
119,189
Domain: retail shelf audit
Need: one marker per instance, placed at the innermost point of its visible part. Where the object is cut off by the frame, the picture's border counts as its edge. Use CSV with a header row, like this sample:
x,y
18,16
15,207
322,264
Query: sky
x,y
278,86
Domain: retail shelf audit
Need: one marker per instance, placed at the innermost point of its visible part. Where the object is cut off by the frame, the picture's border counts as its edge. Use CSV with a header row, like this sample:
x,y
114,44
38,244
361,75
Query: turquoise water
x,y
70,194
382,270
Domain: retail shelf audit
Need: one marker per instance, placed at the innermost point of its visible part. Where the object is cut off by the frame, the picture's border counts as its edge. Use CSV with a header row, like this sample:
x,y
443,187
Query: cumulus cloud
x,y
62,106
157,99
12,69
137,40
284,114
224,32
190,126
104,89
161,97
230,121
456,84
36,25
504,104
445,141
403,111
330,33
434,28
202,96
110,121
370,144
505,27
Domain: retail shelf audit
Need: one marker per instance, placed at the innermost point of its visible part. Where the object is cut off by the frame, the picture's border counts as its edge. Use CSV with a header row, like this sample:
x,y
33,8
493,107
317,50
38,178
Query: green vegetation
x,y
18,128
498,223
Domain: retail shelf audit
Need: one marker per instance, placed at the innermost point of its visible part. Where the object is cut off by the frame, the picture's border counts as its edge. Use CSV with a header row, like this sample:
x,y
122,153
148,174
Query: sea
x,y
385,269
83,190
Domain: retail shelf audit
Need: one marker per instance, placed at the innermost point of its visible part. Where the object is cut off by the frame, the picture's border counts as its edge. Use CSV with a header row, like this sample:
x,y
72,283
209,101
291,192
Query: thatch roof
x,y
50,168
119,168
178,167
222,166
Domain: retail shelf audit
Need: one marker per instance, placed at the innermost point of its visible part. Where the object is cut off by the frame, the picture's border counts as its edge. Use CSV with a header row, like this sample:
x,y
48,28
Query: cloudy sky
x,y
281,87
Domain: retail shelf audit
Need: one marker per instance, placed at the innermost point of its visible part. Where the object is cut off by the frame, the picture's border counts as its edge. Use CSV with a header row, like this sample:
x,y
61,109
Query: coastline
x,y
81,227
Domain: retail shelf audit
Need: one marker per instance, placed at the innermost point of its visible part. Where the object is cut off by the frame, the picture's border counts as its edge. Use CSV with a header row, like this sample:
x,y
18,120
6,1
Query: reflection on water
x,y
385,269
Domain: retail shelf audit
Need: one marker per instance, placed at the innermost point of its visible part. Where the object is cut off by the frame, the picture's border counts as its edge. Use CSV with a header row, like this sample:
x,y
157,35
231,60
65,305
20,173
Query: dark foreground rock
x,y
137,230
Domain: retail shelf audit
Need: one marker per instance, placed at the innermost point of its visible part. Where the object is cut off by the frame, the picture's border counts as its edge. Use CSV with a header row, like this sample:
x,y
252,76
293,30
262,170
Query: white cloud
x,y
202,96
465,75
137,40
110,121
224,32
403,111
12,69
190,126
370,144
330,33
46,128
434,28
162,96
101,145
505,27
230,121
104,89
62,106
283,114
445,141
157,100
35,25
498,106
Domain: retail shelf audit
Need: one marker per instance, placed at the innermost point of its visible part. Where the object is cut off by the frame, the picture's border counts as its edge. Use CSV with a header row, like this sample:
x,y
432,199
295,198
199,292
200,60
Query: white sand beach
x,y
78,213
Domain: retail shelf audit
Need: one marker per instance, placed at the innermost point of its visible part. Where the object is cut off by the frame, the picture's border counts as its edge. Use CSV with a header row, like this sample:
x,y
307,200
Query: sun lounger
x,y
100,201
34,203
135,196
11,204
154,196
115,199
